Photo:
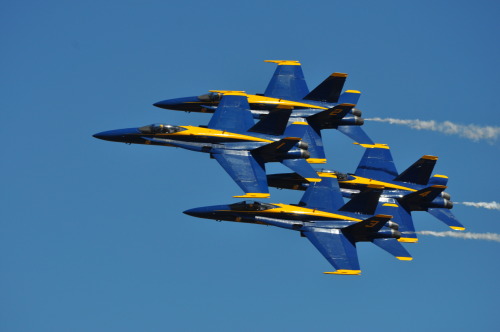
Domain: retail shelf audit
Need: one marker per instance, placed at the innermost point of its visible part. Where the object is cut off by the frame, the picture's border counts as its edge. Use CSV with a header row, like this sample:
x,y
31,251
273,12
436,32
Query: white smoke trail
x,y
485,205
470,236
472,132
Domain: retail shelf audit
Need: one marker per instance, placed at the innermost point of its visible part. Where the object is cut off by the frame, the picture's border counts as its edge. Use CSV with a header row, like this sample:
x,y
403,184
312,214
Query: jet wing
x,y
287,82
233,114
247,172
377,163
338,250
403,218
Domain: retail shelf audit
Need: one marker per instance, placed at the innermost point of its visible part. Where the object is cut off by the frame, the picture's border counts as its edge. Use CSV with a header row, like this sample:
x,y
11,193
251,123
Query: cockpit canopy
x,y
212,96
344,176
158,128
251,206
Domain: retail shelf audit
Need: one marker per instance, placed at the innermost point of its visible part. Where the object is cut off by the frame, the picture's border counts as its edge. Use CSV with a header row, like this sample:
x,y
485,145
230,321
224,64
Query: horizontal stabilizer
x,y
233,114
287,82
419,172
393,247
338,250
303,168
323,196
356,133
329,118
273,124
365,202
448,218
329,90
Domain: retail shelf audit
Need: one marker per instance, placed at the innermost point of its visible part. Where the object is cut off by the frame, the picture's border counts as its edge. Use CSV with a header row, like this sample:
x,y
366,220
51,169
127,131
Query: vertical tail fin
x,y
419,172
329,90
365,202
273,124
287,82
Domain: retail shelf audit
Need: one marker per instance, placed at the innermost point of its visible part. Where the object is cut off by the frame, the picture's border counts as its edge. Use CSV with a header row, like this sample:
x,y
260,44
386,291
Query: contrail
x,y
486,205
472,132
470,236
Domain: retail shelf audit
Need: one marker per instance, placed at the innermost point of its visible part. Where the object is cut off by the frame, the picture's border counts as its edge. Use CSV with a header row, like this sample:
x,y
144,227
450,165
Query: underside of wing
x,y
448,218
338,250
247,172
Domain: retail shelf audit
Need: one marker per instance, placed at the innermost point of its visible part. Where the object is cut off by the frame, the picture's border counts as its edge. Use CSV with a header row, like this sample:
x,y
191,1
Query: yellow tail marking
x,y
353,91
440,176
339,75
404,258
254,195
408,239
390,204
313,179
430,157
300,123
457,228
345,272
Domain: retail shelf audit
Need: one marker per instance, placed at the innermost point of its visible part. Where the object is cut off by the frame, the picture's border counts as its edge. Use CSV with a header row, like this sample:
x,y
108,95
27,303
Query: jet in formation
x,y
321,216
412,190
284,125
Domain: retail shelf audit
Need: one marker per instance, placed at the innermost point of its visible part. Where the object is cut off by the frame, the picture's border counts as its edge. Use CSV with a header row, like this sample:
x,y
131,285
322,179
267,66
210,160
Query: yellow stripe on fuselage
x,y
199,131
254,99
366,181
297,210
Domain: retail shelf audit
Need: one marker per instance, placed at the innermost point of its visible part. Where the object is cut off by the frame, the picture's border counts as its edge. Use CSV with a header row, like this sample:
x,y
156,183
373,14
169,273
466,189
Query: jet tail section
x,y
329,90
365,202
287,82
329,118
272,151
420,200
393,247
273,124
448,218
364,230
419,172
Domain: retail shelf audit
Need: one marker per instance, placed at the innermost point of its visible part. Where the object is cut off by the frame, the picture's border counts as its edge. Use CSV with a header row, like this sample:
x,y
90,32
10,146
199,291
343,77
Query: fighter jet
x,y
288,89
321,216
231,137
412,190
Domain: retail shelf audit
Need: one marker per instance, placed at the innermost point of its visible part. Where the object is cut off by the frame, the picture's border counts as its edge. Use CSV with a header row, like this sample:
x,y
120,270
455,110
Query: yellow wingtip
x,y
373,146
345,272
254,195
408,239
313,179
316,161
285,62
457,228
404,258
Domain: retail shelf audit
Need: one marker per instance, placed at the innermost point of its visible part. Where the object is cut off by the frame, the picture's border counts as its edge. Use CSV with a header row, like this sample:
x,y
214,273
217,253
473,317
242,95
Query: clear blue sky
x,y
92,235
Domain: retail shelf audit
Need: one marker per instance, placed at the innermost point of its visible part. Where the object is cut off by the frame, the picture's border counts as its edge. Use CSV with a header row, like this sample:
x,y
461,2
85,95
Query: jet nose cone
x,y
165,103
104,135
196,212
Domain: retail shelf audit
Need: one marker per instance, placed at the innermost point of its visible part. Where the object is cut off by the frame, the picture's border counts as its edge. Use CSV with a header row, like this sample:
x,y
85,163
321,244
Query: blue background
x,y
92,235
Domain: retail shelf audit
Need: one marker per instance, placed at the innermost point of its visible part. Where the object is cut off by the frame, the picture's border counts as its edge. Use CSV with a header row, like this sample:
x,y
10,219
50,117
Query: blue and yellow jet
x,y
241,147
333,227
412,190
288,90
